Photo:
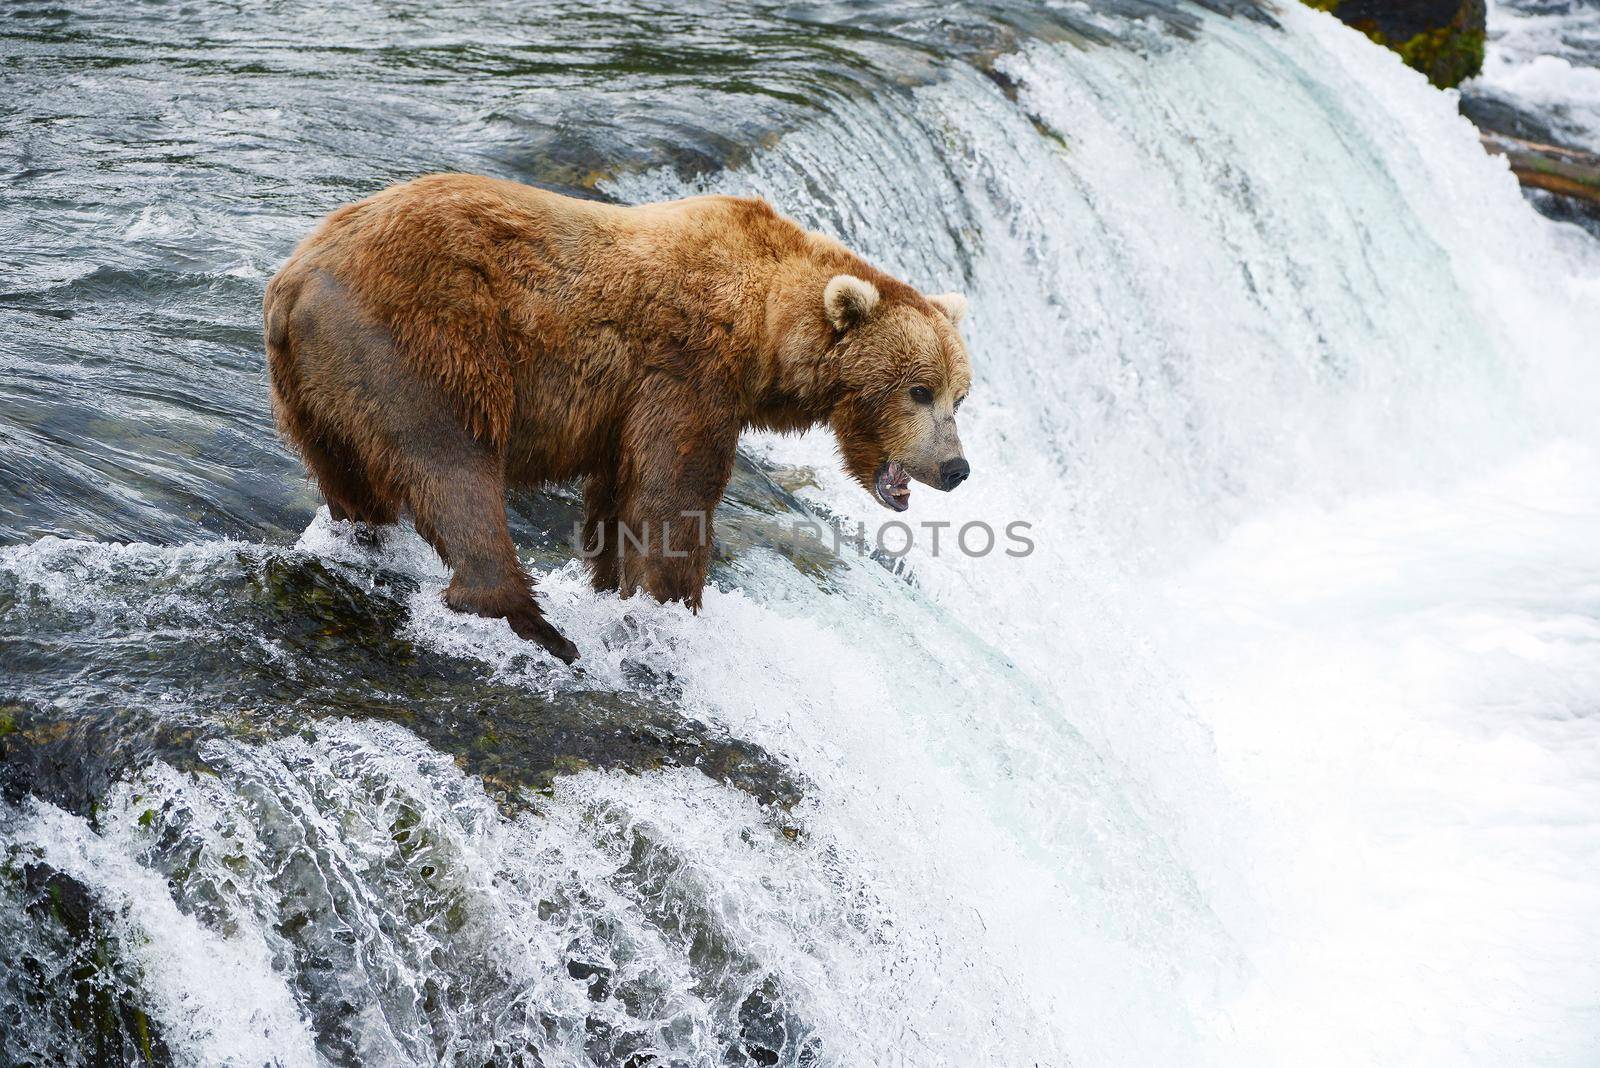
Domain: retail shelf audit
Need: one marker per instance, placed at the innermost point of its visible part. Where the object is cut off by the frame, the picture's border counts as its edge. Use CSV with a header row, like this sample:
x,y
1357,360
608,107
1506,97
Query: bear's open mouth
x,y
892,486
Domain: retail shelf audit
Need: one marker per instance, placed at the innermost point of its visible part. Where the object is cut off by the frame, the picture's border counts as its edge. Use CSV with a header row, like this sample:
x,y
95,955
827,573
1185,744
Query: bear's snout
x,y
953,472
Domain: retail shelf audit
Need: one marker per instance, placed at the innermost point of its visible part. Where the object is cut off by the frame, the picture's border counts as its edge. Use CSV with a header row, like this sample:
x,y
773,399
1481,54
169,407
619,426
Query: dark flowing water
x,y
266,802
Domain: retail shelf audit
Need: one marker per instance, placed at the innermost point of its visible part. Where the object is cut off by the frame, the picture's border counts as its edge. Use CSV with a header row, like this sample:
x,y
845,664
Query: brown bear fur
x,y
448,336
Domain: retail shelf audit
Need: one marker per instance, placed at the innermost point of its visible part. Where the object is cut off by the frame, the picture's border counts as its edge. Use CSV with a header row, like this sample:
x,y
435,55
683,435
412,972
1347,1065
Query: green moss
x,y
141,1034
571,765
1567,172
1448,55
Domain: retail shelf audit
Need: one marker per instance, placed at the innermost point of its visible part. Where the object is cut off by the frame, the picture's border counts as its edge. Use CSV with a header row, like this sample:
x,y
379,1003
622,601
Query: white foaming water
x,y
1279,748
1404,690
216,999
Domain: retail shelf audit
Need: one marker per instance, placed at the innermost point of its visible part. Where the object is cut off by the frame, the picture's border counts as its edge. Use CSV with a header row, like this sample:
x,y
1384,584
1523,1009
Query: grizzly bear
x,y
452,335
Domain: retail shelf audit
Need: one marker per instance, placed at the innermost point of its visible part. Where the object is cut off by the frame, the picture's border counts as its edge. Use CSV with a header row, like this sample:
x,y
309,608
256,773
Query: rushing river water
x,y
1282,746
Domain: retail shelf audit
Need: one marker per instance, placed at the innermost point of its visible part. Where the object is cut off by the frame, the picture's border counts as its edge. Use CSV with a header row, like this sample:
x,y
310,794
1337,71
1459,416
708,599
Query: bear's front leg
x,y
677,457
667,554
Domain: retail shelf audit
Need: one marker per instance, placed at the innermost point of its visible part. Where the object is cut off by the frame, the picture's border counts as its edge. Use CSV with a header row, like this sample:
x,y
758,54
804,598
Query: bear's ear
x,y
954,305
848,300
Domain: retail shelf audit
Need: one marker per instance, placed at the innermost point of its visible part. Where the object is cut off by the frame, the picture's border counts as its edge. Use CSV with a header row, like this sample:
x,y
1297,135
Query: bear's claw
x,y
533,627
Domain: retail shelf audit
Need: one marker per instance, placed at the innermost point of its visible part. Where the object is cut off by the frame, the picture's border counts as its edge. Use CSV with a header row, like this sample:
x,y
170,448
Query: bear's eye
x,y
922,394
957,406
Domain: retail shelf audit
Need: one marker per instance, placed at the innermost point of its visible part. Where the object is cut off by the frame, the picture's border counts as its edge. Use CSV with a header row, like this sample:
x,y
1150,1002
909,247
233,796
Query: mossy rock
x,y
1448,56
1444,39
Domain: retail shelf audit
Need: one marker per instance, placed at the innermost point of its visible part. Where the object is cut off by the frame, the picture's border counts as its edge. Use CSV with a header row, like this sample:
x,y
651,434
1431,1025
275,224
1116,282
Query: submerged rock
x,y
303,640
70,995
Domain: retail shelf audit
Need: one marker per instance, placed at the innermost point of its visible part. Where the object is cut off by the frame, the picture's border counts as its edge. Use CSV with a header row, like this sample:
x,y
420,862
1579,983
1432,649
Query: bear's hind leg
x,y
459,506
342,477
601,504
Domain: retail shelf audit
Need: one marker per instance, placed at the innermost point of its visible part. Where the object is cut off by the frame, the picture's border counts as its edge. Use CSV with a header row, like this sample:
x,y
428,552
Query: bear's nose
x,y
953,472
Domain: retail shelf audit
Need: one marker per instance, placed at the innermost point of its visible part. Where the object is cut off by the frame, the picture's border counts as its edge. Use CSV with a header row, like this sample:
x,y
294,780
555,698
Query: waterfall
x,y
1275,746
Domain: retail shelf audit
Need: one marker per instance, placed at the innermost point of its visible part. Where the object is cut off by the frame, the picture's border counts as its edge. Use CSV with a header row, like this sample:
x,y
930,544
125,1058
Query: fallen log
x,y
1570,172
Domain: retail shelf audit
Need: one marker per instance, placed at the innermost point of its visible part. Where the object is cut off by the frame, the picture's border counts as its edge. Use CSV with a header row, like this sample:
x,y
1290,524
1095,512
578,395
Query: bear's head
x,y
903,371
